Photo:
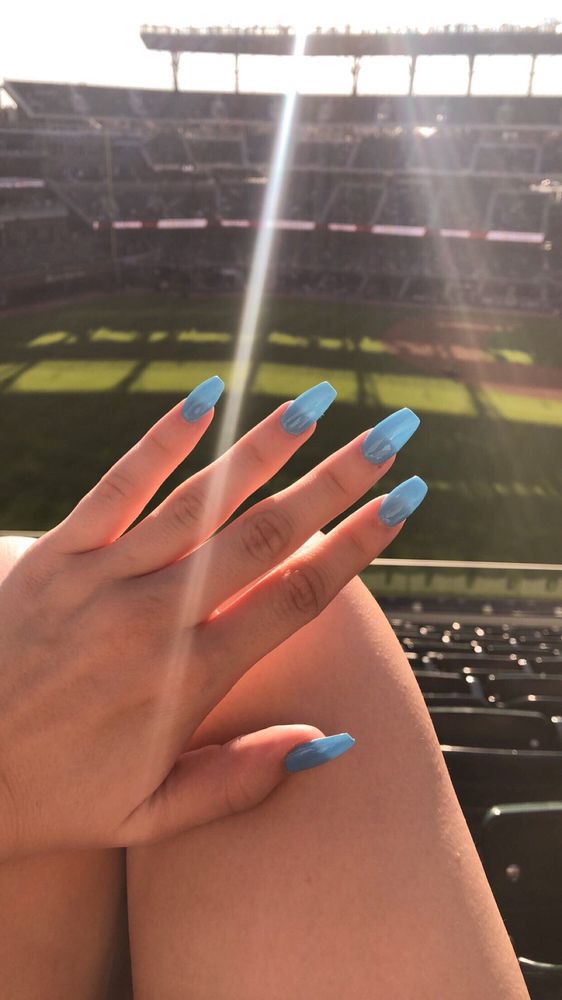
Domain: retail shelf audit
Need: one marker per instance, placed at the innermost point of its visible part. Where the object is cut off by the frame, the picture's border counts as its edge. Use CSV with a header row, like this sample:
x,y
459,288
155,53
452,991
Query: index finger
x,y
123,492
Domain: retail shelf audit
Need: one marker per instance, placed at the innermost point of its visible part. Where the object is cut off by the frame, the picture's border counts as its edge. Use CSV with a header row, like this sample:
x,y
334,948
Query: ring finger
x,y
199,506
298,590
274,528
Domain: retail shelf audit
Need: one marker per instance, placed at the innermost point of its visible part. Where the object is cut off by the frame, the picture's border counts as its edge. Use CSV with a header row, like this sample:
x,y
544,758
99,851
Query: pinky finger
x,y
123,492
293,594
217,781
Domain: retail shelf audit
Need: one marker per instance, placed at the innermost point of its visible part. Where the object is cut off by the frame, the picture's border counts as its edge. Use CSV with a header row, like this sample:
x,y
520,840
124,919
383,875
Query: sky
x,y
99,43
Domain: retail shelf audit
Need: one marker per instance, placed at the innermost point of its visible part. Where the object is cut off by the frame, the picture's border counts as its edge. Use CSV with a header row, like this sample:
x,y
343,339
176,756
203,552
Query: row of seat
x,y
496,728
520,849
494,696
498,688
512,803
476,648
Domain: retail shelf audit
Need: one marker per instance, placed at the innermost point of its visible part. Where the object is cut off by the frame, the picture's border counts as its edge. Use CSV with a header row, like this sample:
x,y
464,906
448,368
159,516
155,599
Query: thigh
x,y
63,927
63,916
358,879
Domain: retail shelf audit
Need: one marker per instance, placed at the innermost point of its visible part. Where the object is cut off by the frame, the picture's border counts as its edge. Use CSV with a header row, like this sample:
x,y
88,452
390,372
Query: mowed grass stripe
x,y
178,376
420,392
516,406
71,376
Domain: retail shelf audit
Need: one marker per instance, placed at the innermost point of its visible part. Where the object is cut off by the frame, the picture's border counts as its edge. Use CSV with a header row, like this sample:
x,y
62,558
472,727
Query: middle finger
x,y
270,531
189,515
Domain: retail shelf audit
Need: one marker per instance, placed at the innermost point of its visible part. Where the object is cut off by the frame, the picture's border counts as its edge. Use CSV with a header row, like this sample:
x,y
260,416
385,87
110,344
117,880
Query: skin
x,y
358,879
375,813
87,611
85,614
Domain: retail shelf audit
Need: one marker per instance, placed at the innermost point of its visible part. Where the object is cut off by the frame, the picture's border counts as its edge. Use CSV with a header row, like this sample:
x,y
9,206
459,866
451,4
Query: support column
x,y
354,74
531,75
109,187
175,67
470,75
236,75
413,60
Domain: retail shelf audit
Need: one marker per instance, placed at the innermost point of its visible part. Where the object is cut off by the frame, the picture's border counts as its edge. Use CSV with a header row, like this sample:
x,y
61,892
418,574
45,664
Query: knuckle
x,y
303,592
238,796
136,626
187,508
254,455
358,543
335,486
266,534
157,443
134,603
35,571
115,487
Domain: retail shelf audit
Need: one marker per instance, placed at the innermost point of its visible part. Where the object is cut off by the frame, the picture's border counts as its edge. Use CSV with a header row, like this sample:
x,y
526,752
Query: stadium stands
x,y
493,688
442,188
403,199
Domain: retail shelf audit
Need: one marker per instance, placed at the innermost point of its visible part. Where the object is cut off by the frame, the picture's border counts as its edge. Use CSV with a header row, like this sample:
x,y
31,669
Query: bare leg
x,y
63,927
356,880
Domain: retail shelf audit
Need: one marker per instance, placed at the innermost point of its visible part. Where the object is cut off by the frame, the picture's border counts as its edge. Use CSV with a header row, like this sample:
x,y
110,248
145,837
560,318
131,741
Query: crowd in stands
x,y
469,176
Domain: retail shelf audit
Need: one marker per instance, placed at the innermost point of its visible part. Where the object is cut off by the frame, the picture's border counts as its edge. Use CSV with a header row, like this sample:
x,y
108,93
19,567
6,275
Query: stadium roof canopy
x,y
459,40
454,40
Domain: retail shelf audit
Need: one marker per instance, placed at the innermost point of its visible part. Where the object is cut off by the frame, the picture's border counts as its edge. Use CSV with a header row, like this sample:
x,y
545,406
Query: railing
x,y
494,587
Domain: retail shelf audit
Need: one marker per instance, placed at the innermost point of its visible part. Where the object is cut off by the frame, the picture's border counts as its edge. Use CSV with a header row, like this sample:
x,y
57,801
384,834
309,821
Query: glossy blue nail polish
x,y
317,752
308,407
390,435
402,501
202,398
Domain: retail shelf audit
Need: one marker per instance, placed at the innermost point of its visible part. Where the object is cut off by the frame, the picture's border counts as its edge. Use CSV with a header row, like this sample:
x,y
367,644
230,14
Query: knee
x,y
336,667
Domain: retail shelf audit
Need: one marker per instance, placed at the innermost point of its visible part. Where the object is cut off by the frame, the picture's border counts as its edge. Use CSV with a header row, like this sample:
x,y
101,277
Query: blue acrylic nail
x,y
307,408
402,501
317,752
390,435
202,398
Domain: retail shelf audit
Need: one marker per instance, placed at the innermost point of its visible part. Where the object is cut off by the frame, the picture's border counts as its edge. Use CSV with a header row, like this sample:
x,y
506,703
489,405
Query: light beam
x,y
173,683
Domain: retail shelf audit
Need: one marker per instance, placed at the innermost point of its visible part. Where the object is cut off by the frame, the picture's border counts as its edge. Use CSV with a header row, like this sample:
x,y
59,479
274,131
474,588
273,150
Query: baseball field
x,y
81,381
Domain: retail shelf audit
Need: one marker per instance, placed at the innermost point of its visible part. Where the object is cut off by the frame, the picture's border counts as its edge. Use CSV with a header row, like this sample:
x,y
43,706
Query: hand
x,y
116,644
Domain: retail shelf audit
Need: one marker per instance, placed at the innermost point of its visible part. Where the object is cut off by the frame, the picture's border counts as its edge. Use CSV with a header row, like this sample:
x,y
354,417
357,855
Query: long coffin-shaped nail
x,y
402,501
202,398
317,752
308,407
390,435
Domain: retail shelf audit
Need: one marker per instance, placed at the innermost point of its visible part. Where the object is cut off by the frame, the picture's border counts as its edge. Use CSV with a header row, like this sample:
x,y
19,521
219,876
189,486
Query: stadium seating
x,y
519,844
405,166
494,728
404,199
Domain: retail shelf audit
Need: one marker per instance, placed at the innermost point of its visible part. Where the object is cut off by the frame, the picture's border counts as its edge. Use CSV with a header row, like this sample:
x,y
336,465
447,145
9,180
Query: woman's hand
x,y
116,646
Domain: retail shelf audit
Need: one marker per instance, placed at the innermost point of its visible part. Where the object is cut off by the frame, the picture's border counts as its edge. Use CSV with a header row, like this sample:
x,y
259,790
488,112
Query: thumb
x,y
221,780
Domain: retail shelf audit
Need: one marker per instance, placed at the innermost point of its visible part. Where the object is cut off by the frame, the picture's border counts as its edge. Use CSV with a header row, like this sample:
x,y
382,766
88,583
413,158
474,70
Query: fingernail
x,y
202,398
317,752
402,501
308,407
390,435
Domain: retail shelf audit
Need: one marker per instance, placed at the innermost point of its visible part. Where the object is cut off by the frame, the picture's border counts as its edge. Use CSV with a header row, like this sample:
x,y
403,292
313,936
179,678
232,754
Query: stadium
x,y
410,247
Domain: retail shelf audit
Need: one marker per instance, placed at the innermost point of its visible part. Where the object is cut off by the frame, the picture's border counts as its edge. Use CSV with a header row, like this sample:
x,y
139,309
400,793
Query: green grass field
x,y
79,383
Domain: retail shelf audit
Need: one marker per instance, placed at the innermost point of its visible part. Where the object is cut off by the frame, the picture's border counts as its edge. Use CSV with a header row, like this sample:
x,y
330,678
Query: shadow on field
x,y
495,484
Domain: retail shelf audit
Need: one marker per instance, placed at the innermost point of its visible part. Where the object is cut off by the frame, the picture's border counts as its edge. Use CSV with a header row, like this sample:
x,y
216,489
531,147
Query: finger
x,y
122,493
293,594
200,505
268,533
218,781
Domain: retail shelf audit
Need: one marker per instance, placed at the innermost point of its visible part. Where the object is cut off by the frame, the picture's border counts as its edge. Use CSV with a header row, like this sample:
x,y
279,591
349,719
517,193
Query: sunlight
x,y
240,372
